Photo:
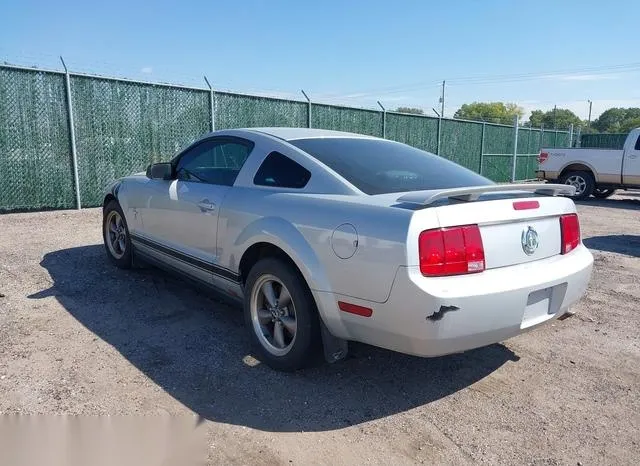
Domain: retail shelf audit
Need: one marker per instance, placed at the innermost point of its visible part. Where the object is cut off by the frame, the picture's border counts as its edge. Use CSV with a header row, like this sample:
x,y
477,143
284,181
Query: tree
x,y
561,118
616,120
491,112
584,129
414,110
630,124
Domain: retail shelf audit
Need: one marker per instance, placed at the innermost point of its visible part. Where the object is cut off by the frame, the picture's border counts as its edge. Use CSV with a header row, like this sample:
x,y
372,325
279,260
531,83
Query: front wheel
x,y
115,234
281,316
603,193
582,181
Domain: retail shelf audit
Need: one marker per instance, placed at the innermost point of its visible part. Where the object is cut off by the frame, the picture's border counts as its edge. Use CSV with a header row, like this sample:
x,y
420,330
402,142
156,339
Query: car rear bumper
x,y
437,316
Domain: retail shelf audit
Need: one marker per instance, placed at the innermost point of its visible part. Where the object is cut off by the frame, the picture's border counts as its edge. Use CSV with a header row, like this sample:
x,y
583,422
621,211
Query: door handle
x,y
206,206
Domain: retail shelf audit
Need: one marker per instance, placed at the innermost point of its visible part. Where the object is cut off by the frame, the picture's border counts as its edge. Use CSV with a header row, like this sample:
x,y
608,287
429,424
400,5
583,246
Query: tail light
x,y
542,157
451,251
570,232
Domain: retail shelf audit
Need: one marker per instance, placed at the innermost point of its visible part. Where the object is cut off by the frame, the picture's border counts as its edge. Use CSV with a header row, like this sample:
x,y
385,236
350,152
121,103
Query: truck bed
x,y
605,164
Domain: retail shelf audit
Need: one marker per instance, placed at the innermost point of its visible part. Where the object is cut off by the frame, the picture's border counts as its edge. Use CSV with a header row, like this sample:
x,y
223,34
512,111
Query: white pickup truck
x,y
597,172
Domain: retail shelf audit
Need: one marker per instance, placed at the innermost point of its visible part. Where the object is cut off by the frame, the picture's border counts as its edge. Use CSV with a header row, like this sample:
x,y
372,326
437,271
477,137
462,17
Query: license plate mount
x,y
539,307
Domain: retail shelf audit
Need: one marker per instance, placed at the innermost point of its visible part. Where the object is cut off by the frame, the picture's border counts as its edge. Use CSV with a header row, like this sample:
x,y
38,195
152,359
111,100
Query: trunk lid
x,y
516,226
511,236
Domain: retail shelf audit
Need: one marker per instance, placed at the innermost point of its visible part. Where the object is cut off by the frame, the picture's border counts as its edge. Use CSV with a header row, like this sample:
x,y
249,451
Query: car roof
x,y
291,134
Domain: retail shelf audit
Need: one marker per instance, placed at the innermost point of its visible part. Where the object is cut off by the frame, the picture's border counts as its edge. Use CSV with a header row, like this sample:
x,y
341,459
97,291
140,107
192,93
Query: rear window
x,y
280,171
377,166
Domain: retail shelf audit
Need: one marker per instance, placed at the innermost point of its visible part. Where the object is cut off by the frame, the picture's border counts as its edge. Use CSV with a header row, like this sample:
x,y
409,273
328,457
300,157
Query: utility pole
x,y
589,120
442,102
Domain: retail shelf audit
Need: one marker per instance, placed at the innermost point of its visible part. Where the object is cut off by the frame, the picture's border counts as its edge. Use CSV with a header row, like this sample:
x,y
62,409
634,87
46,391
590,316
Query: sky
x,y
536,54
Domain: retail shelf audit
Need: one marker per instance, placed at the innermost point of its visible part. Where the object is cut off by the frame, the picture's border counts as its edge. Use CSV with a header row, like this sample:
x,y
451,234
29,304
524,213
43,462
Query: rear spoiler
x,y
473,193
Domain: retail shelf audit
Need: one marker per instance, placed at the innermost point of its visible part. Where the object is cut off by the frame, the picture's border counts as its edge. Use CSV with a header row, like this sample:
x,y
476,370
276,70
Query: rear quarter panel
x,y
303,225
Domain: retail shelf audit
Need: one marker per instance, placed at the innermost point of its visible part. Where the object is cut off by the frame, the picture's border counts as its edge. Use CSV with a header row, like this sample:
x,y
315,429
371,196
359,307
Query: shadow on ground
x,y
617,203
193,347
629,193
622,244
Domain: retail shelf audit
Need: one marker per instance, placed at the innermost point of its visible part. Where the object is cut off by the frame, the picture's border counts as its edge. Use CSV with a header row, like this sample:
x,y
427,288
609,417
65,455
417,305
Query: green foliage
x,y
561,118
628,125
617,120
412,110
491,112
584,129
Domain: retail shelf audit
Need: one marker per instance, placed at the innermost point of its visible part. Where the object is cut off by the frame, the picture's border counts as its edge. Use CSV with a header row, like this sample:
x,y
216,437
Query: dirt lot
x,y
78,336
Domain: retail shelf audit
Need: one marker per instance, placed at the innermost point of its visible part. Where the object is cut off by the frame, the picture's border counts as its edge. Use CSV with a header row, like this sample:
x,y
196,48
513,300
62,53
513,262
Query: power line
x,y
500,78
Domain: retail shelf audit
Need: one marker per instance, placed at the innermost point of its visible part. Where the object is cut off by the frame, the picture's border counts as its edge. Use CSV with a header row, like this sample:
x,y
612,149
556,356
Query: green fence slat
x,y
498,139
122,127
352,120
526,167
497,167
417,131
460,142
603,141
243,111
35,151
548,139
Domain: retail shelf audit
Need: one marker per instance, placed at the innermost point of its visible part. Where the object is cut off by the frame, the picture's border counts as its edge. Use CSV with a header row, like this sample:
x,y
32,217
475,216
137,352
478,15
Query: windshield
x,y
378,166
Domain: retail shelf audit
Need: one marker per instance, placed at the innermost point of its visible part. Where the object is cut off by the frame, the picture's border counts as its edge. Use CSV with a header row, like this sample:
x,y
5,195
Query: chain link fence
x,y
35,154
603,140
244,111
121,126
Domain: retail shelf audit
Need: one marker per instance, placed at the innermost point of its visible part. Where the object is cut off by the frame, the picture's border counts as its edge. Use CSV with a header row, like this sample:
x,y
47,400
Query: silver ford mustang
x,y
328,237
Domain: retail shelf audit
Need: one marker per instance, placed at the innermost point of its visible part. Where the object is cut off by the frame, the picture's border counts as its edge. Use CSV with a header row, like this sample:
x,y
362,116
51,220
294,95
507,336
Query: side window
x,y
280,171
638,144
213,162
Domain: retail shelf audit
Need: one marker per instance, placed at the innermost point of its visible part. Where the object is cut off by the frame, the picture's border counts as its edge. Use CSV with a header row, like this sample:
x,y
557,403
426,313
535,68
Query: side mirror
x,y
160,171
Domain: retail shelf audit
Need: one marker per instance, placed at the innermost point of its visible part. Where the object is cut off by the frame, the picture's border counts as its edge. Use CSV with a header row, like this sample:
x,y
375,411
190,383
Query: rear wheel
x,y
582,181
603,193
281,316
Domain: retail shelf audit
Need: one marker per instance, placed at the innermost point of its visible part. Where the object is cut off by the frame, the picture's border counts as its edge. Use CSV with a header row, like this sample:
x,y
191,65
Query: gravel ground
x,y
78,336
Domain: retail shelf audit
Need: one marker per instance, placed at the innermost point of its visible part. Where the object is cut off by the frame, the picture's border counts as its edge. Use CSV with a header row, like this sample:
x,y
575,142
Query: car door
x,y
631,164
180,218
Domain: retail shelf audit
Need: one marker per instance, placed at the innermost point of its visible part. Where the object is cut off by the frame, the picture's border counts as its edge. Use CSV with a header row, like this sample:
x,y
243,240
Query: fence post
x,y
439,133
570,135
384,120
541,136
484,126
555,138
579,137
211,105
72,134
515,147
308,108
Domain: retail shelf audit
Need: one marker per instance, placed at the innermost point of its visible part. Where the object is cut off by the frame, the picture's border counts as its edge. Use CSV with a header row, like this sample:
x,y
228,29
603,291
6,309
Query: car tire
x,y
117,243
582,180
297,342
603,193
